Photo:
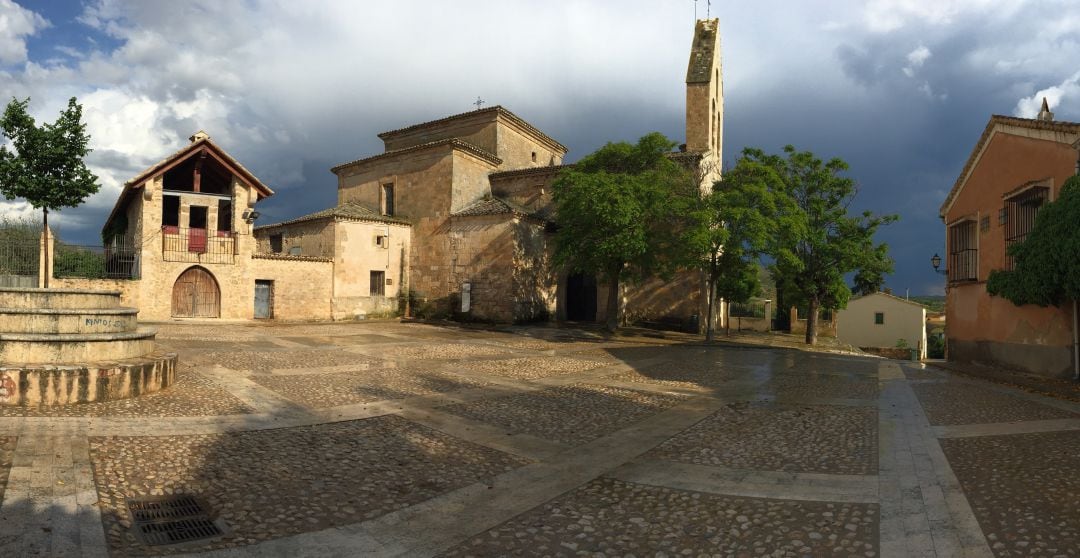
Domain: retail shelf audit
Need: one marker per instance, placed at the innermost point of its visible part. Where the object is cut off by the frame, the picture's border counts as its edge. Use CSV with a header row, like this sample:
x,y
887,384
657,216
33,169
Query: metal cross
x,y
478,102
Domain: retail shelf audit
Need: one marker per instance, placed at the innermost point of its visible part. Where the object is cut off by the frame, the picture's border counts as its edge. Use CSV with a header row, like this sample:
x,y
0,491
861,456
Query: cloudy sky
x,y
901,89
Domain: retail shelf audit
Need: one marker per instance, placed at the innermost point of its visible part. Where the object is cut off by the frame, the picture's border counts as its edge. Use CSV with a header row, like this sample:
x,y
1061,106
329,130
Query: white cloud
x,y
882,16
916,59
1066,93
16,23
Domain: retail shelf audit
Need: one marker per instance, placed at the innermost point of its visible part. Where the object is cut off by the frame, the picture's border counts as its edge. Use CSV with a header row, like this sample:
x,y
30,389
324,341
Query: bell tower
x,y
705,99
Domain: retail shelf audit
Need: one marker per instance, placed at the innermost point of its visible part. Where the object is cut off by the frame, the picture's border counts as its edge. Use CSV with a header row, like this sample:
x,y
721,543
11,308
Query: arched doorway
x,y
581,298
196,295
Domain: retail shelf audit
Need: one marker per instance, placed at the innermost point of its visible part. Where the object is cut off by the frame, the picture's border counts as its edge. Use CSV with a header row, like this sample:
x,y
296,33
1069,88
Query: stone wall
x,y
534,279
482,255
302,289
531,190
130,289
826,328
357,255
312,238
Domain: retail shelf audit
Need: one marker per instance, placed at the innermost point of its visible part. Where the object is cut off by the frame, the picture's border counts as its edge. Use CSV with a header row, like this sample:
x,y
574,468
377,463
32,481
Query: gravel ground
x,y
608,517
7,453
927,373
441,351
192,395
284,359
530,368
361,386
821,386
207,332
773,437
1024,489
686,374
273,483
948,403
572,414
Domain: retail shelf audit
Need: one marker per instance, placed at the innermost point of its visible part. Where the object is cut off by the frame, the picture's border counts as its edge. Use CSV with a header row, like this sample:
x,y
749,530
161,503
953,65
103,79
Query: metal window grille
x,y
119,259
963,254
1021,210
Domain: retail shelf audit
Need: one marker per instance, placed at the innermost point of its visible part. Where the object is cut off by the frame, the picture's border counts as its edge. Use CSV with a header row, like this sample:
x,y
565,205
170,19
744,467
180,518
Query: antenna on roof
x,y
479,102
695,10
708,8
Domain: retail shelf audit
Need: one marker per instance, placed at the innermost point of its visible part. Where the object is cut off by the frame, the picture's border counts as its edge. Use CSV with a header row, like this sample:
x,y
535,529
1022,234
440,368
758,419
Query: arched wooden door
x,y
196,295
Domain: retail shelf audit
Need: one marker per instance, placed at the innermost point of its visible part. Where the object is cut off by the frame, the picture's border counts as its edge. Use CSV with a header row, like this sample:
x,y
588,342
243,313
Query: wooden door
x,y
264,297
196,295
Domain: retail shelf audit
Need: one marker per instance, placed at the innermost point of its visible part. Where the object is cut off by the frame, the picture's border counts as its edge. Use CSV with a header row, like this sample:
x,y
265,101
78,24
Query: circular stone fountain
x,y
60,346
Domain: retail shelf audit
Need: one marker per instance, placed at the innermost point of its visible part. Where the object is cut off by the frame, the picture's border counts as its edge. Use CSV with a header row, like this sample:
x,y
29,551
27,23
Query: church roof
x,y
494,110
498,206
349,211
452,142
1003,123
531,171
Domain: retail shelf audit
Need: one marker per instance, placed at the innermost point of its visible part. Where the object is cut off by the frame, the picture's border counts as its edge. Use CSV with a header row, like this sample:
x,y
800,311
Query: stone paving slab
x,y
572,414
1024,489
274,483
802,385
948,403
611,517
443,351
191,395
775,437
361,386
268,360
7,453
685,374
531,368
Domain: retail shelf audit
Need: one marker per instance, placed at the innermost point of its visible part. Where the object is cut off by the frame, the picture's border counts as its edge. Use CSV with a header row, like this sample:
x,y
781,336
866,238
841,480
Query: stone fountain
x,y
62,346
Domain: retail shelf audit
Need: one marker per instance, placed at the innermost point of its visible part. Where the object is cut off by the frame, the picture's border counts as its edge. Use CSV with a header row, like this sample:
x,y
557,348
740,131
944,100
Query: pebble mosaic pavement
x,y
388,438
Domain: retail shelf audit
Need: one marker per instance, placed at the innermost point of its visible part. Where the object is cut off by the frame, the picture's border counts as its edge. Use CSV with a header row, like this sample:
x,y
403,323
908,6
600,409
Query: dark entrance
x,y
581,298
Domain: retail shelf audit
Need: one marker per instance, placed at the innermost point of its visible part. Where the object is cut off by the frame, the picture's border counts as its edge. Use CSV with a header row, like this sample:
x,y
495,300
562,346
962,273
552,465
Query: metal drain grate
x,y
172,520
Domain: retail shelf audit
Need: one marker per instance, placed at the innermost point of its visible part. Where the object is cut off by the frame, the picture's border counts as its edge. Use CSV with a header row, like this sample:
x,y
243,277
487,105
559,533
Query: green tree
x,y
46,167
622,213
816,242
733,227
1047,262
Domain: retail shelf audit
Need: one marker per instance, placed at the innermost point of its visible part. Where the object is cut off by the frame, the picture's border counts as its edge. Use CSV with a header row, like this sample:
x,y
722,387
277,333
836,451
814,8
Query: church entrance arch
x,y
196,295
581,298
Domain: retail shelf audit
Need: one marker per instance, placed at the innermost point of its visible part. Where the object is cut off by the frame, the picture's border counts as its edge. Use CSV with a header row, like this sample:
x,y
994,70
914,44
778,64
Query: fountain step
x,y
58,298
68,320
83,383
19,348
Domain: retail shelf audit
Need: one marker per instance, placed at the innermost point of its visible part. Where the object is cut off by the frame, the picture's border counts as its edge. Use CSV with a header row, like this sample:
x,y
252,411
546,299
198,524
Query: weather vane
x,y
479,102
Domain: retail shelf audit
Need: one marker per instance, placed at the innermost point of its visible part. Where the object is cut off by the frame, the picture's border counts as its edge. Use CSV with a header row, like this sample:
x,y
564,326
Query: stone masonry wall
x,y
302,288
482,254
313,238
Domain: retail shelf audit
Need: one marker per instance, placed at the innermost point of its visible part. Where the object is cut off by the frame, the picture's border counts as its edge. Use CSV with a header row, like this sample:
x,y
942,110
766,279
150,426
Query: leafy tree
x,y
46,168
622,214
734,225
1047,262
816,242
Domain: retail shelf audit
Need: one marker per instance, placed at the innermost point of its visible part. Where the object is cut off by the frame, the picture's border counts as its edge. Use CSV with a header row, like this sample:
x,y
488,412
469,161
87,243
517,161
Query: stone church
x,y
454,218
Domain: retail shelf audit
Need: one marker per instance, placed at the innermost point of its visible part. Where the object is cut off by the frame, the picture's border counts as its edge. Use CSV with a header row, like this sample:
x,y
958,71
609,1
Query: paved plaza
x,y
398,439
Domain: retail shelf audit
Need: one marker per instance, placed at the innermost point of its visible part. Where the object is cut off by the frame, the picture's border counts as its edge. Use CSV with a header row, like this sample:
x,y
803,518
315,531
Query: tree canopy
x,y
46,167
816,242
1047,262
622,212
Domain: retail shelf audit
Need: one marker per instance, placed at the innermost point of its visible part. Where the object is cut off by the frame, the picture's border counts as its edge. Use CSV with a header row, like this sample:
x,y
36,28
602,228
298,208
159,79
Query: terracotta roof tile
x,y
347,211
498,206
538,171
497,109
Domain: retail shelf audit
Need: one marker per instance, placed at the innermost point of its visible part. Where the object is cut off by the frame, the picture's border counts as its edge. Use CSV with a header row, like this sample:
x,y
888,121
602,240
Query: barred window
x,y
1021,211
963,252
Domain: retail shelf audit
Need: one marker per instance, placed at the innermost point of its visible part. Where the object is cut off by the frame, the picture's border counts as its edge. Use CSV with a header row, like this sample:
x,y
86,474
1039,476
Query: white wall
x,y
903,320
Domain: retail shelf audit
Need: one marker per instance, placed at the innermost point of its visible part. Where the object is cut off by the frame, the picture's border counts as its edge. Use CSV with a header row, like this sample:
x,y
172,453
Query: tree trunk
x,y
48,238
727,317
613,299
812,322
712,297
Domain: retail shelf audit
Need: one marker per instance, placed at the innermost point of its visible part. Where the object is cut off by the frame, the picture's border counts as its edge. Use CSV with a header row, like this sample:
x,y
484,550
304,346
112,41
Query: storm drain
x,y
172,520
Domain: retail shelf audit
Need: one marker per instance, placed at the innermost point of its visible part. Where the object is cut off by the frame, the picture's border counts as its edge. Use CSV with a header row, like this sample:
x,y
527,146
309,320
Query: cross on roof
x,y
478,102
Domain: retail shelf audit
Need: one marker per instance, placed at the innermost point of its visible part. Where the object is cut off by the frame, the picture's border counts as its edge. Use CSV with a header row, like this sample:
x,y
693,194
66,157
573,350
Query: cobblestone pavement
x,y
396,439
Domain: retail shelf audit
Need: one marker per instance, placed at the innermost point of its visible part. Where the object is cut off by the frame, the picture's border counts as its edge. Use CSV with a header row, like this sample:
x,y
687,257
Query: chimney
x,y
199,136
1044,114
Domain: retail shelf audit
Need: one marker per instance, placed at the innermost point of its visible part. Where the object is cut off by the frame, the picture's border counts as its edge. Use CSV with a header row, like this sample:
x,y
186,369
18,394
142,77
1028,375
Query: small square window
x,y
879,318
534,156
275,243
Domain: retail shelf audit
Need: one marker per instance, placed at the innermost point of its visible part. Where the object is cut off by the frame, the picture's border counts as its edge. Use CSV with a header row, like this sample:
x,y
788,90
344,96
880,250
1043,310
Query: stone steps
x,y
58,298
61,348
63,320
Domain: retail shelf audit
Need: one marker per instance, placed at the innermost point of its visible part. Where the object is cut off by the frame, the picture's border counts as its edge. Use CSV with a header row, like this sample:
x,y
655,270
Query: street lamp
x,y
936,262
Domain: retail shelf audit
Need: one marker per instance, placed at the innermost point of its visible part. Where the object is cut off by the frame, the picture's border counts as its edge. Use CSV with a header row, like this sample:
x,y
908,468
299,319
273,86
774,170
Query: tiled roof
x,y
498,206
995,120
497,109
288,257
892,296
347,211
192,147
540,171
453,142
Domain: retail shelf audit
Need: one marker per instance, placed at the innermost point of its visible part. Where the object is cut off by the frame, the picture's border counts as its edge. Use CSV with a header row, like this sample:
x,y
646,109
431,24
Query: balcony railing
x,y
179,244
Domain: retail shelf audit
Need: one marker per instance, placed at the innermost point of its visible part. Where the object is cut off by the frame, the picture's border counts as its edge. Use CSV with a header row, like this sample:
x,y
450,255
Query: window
x,y
534,156
387,199
1021,210
296,250
275,243
382,241
879,318
963,252
197,217
170,211
224,215
378,283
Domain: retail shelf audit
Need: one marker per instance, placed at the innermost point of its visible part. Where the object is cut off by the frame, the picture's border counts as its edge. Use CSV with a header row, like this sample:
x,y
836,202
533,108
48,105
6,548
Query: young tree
x,y
816,242
621,213
46,168
733,226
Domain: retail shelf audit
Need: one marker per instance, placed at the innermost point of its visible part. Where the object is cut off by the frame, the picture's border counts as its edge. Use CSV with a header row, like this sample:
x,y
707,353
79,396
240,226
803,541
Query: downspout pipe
x,y
1076,344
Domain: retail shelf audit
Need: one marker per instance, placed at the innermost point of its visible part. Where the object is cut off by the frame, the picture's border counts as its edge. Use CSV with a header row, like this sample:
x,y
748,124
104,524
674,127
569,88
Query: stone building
x,y
1017,165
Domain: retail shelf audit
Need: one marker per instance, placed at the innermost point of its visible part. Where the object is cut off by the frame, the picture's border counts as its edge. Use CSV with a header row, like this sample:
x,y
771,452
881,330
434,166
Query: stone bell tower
x,y
705,100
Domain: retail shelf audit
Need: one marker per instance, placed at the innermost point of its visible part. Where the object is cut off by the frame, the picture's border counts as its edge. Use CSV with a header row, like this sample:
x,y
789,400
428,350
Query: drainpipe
x,y
1076,345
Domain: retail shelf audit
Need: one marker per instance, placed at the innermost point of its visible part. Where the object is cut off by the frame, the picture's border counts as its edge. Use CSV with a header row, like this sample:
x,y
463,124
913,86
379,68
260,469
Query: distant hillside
x,y
936,303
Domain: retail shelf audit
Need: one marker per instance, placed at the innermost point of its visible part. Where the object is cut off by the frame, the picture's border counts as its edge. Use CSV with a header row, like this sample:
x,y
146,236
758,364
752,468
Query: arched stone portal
x,y
196,295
